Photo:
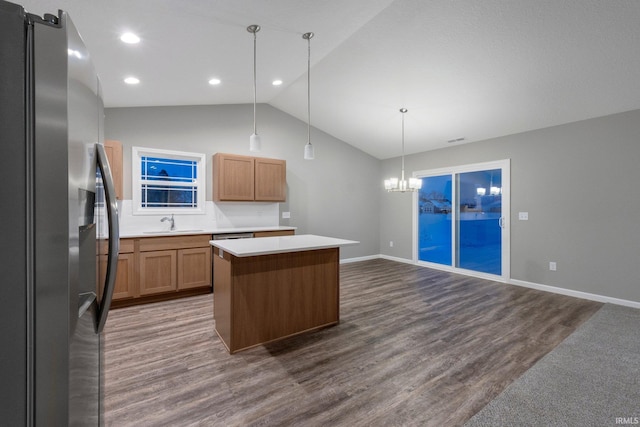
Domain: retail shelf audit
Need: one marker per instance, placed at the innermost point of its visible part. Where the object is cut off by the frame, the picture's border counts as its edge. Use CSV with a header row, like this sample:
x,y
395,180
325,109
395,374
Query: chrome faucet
x,y
173,224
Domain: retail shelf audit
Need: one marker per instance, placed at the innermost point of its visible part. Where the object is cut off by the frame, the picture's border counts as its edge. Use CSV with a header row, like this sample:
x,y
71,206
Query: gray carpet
x,y
589,379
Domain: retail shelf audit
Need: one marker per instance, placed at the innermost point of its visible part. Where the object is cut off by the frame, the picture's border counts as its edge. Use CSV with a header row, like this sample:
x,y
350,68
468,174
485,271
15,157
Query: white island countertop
x,y
278,245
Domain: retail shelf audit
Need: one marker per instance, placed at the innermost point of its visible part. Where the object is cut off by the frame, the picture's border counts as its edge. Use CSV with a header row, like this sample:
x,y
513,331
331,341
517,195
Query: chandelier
x,y
402,185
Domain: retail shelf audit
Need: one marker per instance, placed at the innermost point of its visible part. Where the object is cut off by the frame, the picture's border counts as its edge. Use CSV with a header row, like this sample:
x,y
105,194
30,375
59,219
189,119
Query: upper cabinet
x,y
233,177
113,149
270,180
245,178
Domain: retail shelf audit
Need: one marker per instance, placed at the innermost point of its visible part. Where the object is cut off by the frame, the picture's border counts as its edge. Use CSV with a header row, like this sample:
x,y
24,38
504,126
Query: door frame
x,y
505,166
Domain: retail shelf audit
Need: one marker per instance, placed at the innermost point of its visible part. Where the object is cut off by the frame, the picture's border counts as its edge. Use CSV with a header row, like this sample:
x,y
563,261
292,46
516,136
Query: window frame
x,y
136,181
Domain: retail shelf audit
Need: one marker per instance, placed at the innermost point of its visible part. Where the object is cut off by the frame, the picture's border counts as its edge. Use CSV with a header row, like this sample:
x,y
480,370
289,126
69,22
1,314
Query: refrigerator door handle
x,y
114,237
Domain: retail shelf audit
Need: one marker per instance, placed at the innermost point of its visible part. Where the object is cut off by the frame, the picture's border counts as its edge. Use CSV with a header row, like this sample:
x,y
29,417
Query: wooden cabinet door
x,y
157,272
233,177
194,268
125,277
125,286
271,180
274,233
113,149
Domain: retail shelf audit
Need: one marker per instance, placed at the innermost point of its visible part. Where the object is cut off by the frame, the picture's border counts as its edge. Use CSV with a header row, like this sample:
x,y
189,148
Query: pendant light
x,y
393,184
308,149
254,140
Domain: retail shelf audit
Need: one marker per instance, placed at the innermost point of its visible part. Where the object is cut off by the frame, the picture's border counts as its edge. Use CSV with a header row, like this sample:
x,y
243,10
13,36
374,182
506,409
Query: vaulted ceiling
x,y
472,69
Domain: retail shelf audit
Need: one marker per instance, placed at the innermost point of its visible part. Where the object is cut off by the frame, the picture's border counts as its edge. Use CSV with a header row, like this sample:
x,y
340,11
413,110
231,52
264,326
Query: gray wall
x,y
334,195
579,182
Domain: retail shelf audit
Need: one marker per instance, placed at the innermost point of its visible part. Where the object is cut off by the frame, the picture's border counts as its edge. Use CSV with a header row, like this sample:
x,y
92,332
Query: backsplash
x,y
217,215
245,214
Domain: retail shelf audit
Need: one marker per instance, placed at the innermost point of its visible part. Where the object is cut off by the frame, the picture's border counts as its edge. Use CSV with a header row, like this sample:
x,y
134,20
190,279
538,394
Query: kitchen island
x,y
274,287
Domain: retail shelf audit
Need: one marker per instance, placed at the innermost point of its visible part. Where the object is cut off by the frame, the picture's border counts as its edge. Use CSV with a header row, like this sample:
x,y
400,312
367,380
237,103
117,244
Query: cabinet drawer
x,y
126,246
162,243
274,233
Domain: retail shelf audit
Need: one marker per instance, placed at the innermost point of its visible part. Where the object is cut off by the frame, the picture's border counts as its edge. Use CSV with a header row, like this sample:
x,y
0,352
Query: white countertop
x,y
281,244
205,230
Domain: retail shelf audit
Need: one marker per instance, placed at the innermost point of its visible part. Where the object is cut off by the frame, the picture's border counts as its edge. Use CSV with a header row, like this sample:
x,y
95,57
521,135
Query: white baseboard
x,y
577,294
392,258
358,259
523,283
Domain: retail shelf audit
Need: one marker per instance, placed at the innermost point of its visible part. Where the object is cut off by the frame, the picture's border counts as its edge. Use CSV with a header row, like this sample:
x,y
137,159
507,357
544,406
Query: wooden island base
x,y
259,299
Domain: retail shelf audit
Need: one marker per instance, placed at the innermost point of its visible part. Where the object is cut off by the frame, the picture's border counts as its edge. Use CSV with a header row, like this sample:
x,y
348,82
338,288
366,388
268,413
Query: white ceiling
x,y
475,69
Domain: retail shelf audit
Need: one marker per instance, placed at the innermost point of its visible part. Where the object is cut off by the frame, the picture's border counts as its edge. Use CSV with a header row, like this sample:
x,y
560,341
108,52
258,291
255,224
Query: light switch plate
x,y
523,216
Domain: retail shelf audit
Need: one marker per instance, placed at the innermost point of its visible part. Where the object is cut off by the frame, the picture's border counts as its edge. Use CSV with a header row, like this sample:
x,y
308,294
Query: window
x,y
167,181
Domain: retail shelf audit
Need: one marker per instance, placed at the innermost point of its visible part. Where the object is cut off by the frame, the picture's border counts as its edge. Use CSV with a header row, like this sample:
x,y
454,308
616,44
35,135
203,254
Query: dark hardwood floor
x,y
414,347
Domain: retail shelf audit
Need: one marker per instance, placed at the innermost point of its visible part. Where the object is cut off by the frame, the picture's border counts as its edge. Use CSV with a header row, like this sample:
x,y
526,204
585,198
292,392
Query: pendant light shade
x,y
309,154
308,149
402,185
255,144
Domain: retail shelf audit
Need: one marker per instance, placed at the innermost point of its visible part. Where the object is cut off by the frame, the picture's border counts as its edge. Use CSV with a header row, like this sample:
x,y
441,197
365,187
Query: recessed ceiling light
x,y
277,82
130,38
214,82
132,80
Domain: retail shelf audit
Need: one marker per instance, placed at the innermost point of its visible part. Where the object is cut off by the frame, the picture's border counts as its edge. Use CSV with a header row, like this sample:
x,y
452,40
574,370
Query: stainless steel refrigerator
x,y
57,225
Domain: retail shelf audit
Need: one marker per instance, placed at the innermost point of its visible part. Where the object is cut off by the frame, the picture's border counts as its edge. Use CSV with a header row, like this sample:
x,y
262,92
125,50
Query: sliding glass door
x,y
479,221
435,240
461,218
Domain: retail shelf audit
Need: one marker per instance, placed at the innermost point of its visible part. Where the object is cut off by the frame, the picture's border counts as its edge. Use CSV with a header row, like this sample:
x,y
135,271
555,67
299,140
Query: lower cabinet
x,y
125,286
194,267
163,267
125,279
157,272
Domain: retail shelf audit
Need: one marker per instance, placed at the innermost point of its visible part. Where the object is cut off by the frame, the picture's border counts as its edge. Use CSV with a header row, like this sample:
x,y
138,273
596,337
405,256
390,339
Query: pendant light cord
x,y
254,82
309,91
403,110
307,37
254,140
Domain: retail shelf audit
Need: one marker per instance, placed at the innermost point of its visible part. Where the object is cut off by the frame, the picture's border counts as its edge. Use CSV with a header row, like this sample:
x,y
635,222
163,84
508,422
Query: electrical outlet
x,y
523,216
390,243
552,266
286,215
